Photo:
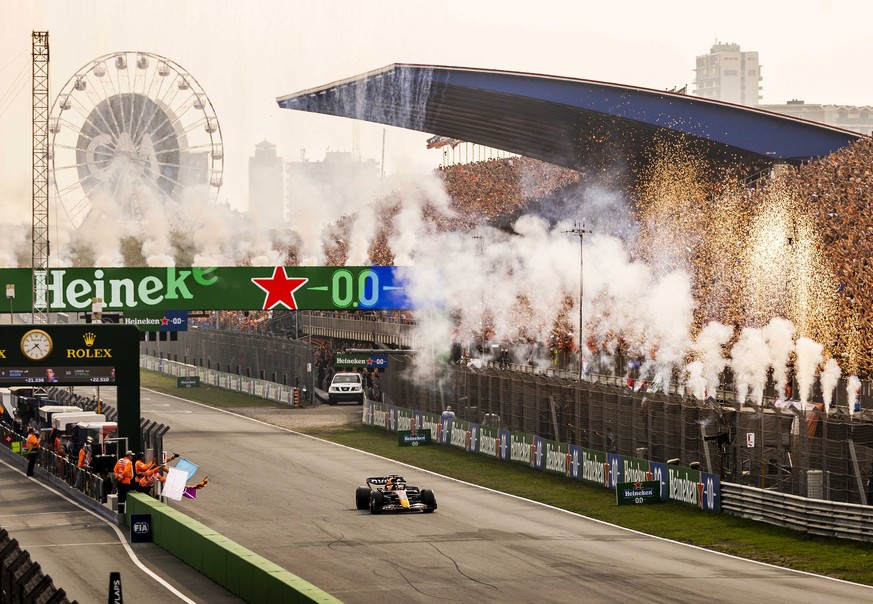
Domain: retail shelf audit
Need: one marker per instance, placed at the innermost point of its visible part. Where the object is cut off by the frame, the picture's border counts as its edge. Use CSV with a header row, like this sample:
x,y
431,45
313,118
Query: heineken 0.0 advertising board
x,y
413,438
213,288
370,361
636,493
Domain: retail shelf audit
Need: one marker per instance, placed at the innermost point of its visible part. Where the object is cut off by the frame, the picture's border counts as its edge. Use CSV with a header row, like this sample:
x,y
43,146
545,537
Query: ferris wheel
x,y
130,130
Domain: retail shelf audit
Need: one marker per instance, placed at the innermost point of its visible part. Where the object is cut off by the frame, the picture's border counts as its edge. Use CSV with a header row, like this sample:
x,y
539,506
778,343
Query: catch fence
x,y
811,454
274,359
815,454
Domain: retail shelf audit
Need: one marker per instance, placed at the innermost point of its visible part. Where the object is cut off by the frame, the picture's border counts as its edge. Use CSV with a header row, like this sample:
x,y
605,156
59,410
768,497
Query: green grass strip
x,y
204,393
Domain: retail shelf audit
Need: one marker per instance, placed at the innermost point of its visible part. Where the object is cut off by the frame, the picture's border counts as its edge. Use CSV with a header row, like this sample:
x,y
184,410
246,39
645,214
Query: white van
x,y
346,387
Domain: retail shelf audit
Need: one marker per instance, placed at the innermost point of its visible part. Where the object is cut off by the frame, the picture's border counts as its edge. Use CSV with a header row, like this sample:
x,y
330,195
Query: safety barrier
x,y
266,389
237,569
22,580
684,485
813,516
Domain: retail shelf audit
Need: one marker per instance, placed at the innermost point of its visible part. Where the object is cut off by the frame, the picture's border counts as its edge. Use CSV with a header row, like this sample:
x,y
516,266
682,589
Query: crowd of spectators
x,y
834,192
237,321
837,192
498,187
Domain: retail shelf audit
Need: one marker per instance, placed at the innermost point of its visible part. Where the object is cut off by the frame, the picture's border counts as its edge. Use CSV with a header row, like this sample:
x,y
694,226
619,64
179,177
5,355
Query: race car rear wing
x,y
381,480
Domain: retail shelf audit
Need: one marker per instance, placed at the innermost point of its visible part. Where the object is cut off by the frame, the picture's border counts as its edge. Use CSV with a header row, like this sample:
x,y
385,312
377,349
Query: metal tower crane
x,y
40,255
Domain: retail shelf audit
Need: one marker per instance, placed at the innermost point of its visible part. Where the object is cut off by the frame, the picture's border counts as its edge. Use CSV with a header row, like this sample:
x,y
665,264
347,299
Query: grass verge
x,y
842,559
206,394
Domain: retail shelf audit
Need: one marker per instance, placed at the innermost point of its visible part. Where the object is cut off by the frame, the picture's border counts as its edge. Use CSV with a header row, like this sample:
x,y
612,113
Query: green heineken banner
x,y
213,288
636,493
413,438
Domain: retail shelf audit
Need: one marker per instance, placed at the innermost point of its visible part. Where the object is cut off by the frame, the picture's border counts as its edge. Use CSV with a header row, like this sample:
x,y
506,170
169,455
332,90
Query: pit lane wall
x,y
683,485
239,570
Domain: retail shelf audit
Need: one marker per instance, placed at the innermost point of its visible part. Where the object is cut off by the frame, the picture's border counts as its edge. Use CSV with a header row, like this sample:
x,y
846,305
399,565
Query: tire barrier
x,y
21,579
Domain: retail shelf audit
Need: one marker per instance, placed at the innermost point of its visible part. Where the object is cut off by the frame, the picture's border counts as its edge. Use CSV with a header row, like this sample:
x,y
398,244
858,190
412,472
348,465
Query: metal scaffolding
x,y
40,256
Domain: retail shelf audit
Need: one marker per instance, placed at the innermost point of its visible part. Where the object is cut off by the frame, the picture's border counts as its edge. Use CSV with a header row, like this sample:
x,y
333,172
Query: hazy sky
x,y
245,54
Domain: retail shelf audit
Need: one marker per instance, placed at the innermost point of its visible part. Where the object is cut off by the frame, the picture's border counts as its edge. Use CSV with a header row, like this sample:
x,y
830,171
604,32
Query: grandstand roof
x,y
566,121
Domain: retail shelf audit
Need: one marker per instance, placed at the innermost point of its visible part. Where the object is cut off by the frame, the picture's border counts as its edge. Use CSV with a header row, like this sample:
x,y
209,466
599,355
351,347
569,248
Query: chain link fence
x,y
265,357
811,454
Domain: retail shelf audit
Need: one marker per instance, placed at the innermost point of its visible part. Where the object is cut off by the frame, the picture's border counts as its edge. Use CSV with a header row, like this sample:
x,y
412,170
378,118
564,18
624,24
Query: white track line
x,y
118,533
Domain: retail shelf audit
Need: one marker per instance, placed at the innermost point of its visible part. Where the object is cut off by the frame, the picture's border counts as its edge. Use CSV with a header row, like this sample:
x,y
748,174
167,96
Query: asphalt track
x,y
78,549
290,498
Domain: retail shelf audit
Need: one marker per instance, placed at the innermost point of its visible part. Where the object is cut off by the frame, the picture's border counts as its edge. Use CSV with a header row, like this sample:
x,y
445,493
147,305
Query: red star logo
x,y
280,289
638,485
164,321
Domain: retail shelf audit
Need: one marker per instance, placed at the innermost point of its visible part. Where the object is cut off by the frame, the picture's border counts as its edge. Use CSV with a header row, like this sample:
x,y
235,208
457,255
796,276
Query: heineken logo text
x,y
487,443
681,487
125,293
556,460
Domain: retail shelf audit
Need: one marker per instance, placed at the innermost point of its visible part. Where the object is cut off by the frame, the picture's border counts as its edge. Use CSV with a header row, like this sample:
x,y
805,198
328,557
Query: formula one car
x,y
392,494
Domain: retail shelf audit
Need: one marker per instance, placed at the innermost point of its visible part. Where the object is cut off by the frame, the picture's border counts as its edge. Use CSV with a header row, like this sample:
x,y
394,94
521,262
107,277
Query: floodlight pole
x,y
579,229
480,251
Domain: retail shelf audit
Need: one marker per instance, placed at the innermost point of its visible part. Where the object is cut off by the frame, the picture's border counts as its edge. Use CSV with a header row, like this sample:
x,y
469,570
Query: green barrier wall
x,y
239,570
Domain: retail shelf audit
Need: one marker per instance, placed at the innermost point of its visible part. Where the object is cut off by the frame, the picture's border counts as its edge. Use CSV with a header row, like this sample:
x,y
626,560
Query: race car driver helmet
x,y
396,483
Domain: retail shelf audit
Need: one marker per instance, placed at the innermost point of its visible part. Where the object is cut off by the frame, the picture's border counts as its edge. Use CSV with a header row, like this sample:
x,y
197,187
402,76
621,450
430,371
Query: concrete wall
x,y
239,570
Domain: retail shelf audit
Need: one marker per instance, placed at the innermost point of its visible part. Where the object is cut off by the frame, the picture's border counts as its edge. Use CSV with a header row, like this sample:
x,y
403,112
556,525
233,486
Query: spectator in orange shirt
x,y
32,448
123,472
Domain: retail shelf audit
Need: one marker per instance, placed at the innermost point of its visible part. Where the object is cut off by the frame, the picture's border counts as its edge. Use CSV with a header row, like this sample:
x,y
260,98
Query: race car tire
x,y
428,499
362,498
377,500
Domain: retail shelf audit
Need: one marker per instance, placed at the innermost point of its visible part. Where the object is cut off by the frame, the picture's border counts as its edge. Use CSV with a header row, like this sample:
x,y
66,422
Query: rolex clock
x,y
36,344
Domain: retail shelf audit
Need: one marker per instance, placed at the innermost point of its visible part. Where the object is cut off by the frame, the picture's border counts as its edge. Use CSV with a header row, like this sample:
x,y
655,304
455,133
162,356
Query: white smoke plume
x,y
695,379
668,312
513,283
853,392
16,245
808,359
750,359
779,335
830,375
708,349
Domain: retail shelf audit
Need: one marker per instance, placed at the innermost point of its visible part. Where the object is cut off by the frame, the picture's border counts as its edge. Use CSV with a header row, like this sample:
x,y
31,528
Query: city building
x,y
339,177
728,74
850,117
266,182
